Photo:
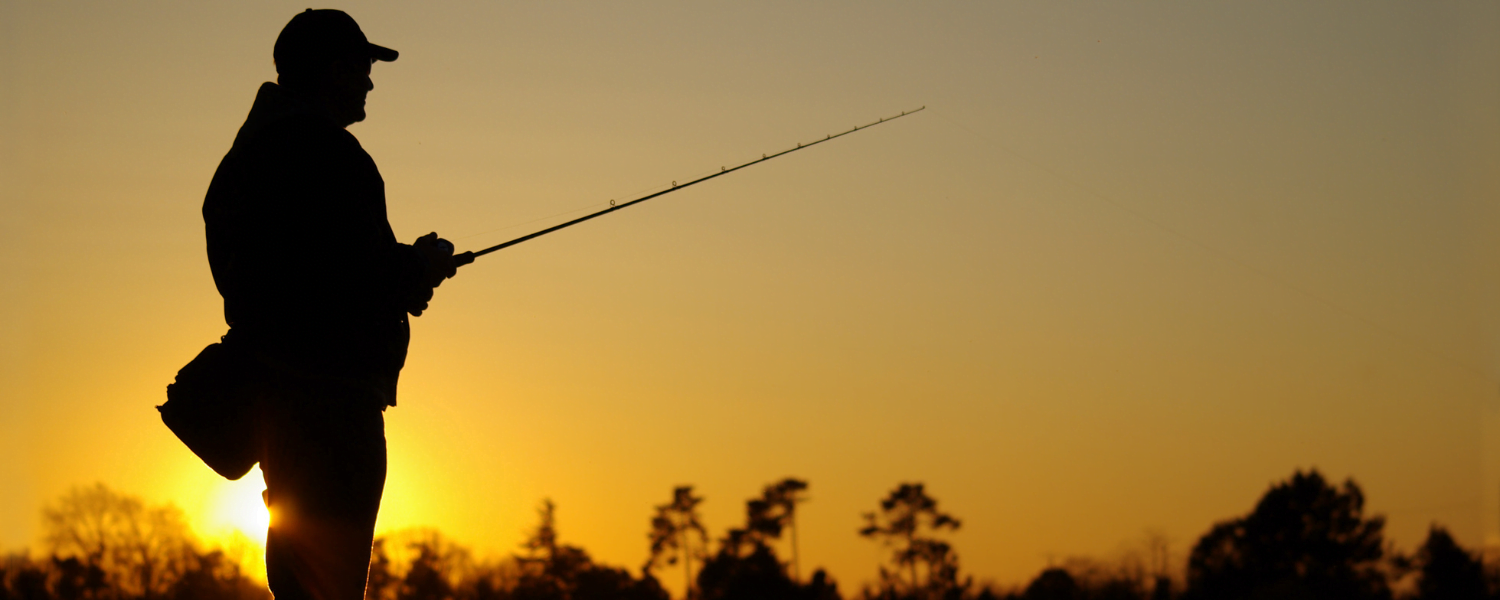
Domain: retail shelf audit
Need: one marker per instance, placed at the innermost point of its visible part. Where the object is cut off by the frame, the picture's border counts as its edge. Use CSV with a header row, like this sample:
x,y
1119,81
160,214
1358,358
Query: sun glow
x,y
234,519
237,506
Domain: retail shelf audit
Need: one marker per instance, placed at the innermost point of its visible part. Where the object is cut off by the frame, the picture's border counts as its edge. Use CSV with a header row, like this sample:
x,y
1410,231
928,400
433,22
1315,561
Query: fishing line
x,y
1230,258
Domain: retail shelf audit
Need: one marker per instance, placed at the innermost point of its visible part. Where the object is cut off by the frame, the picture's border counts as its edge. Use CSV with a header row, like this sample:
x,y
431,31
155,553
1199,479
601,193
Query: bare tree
x,y
1158,549
141,550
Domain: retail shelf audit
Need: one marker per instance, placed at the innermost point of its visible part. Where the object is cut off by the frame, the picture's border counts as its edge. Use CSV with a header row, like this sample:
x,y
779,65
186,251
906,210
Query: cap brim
x,y
383,53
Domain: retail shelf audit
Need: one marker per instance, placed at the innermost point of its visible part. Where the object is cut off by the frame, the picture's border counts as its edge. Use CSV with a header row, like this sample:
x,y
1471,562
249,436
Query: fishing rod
x,y
468,257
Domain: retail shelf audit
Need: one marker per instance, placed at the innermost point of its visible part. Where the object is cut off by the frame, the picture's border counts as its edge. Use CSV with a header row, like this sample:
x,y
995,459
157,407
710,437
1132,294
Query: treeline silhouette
x,y
104,545
1305,539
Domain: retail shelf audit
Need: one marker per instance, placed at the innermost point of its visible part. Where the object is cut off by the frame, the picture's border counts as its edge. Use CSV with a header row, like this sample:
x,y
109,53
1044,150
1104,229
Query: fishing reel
x,y
459,260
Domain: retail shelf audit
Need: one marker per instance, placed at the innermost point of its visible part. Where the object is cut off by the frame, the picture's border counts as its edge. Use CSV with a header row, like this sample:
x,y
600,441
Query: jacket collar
x,y
274,103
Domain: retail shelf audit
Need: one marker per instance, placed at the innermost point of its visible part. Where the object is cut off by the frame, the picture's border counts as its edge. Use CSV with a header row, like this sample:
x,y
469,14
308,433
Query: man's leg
x,y
324,466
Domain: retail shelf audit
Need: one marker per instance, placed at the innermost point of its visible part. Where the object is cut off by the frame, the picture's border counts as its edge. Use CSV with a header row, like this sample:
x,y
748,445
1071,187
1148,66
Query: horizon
x,y
246,544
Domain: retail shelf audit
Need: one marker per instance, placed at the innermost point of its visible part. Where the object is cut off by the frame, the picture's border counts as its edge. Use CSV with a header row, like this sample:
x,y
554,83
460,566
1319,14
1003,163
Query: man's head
x,y
323,54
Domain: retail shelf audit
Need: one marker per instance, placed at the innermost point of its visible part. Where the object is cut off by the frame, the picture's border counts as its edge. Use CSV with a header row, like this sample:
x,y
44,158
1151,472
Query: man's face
x,y
345,90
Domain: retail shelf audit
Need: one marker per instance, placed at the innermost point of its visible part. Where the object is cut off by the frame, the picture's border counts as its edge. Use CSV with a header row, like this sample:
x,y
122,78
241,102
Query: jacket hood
x,y
273,103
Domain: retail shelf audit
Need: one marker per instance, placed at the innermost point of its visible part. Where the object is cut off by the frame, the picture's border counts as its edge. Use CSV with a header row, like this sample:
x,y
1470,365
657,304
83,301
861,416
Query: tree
x,y
213,575
552,570
908,521
670,531
1123,579
1448,571
773,513
730,575
1053,584
381,582
73,579
417,564
1159,559
600,582
767,517
776,511
427,579
21,579
140,550
1304,539
746,566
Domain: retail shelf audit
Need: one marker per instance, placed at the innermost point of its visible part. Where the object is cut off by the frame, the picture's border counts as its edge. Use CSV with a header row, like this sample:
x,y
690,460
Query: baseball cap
x,y
318,35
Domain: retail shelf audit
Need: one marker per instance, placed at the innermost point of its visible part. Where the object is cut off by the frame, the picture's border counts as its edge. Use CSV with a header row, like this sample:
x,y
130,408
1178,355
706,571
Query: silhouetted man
x,y
316,292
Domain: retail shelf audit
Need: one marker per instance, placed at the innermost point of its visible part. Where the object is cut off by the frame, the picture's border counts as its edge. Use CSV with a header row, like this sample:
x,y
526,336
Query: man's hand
x,y
439,265
439,255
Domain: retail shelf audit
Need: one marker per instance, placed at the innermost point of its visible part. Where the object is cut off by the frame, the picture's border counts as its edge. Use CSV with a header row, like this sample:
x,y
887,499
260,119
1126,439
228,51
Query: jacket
x,y
313,279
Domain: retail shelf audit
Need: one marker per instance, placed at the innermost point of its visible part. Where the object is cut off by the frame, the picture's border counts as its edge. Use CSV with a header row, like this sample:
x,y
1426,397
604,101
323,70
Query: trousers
x,y
324,461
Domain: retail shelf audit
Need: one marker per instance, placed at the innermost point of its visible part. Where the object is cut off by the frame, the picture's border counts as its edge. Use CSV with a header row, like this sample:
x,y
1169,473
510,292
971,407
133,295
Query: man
x,y
316,292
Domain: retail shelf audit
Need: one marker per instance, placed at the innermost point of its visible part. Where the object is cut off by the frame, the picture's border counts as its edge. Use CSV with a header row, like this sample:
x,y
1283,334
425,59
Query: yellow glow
x,y
237,507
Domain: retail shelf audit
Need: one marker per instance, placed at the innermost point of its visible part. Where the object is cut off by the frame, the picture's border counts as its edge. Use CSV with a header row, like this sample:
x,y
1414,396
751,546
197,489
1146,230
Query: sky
x,y
1133,264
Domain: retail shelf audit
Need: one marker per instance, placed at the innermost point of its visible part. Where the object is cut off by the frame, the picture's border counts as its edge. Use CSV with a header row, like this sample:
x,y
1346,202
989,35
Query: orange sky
x,y
1134,263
